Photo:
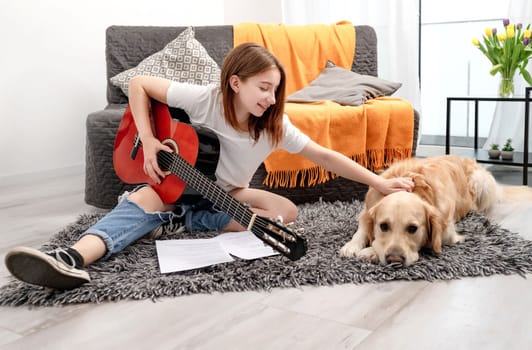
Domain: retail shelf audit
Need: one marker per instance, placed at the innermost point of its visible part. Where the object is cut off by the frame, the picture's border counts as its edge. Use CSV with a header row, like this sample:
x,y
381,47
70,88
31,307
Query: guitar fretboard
x,y
194,178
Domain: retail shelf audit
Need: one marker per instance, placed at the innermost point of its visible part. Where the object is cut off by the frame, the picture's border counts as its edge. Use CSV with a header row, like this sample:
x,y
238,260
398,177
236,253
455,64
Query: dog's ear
x,y
422,187
367,218
372,197
435,229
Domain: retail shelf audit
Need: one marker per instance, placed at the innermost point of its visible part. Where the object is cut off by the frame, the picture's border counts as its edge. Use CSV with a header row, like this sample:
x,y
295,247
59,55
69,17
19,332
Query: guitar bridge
x,y
136,145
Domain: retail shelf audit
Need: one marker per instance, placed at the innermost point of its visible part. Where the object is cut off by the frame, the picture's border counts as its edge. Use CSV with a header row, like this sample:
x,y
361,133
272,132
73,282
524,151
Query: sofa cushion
x,y
344,87
183,59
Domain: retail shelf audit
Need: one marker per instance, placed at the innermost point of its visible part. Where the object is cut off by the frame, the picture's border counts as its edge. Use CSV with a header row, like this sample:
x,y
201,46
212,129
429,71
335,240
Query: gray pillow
x,y
344,87
183,59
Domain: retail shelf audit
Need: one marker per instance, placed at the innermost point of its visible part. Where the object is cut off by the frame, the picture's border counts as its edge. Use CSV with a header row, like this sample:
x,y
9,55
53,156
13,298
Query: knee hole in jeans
x,y
147,199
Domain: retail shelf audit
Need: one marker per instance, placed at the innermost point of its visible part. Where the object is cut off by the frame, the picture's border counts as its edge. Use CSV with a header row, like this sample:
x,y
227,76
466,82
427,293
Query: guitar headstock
x,y
279,237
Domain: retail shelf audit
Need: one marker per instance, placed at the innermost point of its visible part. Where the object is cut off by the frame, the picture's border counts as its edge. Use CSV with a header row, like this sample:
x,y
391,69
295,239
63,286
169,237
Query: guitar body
x,y
198,146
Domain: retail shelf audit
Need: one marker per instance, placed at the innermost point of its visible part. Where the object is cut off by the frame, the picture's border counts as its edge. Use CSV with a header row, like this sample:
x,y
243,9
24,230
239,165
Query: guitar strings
x,y
197,179
191,175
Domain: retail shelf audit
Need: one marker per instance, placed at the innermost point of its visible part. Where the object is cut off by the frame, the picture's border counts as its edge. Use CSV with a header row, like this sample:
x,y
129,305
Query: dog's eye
x,y
411,229
384,227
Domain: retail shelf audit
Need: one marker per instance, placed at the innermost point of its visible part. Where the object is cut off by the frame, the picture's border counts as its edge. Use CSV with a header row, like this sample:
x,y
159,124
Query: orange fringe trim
x,y
372,159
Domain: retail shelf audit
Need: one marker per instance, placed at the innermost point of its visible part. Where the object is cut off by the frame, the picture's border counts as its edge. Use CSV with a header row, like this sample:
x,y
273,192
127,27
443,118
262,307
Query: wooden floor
x,y
477,313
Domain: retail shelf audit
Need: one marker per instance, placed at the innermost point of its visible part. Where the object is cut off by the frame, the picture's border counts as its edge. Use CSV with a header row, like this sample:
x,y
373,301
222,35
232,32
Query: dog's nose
x,y
395,259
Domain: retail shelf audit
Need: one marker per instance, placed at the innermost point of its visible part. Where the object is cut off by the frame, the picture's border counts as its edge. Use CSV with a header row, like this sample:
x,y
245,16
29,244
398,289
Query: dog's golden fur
x,y
393,228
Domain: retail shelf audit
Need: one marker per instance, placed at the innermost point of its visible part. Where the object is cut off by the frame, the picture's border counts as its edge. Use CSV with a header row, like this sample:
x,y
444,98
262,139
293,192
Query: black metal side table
x,y
519,159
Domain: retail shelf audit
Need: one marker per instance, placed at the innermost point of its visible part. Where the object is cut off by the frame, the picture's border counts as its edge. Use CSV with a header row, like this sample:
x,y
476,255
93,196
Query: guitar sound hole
x,y
164,158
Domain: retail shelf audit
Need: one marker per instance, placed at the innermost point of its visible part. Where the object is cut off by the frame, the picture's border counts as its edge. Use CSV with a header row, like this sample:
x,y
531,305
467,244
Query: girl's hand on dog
x,y
387,186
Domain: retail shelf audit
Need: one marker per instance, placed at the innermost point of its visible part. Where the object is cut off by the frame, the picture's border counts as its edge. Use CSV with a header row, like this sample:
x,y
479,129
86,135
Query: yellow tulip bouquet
x,y
507,51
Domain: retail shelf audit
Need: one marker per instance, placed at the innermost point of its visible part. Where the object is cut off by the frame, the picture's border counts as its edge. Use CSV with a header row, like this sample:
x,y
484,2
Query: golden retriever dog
x,y
392,229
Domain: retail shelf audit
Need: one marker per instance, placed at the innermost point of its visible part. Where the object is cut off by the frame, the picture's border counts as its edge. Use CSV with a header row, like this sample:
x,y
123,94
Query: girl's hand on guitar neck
x,y
151,146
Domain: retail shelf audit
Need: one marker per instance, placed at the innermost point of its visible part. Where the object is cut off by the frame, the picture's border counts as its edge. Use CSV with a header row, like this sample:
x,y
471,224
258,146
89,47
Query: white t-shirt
x,y
240,156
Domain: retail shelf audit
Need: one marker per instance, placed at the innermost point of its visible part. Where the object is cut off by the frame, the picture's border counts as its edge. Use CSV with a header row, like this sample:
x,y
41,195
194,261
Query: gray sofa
x,y
126,46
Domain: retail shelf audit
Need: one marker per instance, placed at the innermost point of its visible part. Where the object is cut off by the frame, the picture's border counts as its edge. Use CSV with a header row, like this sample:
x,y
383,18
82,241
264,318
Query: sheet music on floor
x,y
187,254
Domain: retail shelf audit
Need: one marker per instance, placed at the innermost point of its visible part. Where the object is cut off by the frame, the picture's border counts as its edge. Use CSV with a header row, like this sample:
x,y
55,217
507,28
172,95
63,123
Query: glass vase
x,y
506,87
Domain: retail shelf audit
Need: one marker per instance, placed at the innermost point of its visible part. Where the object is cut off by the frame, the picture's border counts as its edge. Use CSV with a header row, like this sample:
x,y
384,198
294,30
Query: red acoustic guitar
x,y
182,138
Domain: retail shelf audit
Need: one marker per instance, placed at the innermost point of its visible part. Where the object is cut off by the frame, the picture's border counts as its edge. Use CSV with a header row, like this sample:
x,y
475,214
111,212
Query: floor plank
x,y
472,313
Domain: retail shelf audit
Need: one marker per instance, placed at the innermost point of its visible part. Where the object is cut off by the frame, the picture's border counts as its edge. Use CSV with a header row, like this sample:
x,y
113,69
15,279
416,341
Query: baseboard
x,y
18,179
455,141
424,151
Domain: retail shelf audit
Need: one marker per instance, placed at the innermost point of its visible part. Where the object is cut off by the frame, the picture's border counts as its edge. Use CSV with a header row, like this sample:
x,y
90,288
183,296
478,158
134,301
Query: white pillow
x,y
183,59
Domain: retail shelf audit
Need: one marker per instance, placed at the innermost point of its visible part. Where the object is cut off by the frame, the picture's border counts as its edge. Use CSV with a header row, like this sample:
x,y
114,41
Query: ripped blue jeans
x,y
128,222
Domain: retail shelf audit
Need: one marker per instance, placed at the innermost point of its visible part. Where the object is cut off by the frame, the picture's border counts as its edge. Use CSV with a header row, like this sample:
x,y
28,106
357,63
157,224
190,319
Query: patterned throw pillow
x,y
183,59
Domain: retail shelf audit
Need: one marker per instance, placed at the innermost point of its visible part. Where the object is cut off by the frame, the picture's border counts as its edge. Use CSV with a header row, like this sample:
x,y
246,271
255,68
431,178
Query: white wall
x,y
253,11
53,69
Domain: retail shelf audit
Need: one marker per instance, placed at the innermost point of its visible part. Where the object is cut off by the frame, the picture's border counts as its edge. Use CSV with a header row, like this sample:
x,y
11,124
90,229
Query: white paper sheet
x,y
245,245
187,254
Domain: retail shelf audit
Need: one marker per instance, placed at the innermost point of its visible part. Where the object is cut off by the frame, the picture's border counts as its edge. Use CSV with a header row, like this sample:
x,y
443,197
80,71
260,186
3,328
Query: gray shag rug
x,y
134,273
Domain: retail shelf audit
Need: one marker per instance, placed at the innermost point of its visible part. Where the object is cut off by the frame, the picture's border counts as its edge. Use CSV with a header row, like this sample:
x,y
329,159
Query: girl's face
x,y
255,94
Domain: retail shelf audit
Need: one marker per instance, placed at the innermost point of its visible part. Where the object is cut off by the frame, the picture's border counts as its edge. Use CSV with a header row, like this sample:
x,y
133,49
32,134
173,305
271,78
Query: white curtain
x,y
508,118
395,21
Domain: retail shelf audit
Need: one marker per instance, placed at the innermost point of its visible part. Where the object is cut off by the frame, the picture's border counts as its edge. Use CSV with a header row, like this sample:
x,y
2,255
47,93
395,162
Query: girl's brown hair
x,y
244,61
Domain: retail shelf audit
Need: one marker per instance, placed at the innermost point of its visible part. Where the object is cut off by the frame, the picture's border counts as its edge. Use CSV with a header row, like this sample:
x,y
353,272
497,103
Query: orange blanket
x,y
374,134
303,50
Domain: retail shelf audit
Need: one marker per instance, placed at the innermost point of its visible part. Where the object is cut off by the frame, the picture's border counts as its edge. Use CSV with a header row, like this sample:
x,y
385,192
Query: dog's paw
x,y
350,249
459,239
368,254
455,238
355,245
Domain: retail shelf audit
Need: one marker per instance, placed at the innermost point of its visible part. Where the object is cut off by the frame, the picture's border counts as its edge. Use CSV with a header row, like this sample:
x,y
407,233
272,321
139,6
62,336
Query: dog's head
x,y
400,224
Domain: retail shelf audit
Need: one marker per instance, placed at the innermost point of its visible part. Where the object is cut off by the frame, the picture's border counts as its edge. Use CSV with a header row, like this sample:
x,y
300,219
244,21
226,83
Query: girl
x,y
246,112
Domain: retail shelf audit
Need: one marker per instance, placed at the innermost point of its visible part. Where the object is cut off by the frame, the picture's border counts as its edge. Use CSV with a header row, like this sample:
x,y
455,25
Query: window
x,y
452,66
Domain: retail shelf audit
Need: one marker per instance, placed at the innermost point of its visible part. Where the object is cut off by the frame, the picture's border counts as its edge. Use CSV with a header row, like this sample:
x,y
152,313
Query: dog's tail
x,y
486,190
489,193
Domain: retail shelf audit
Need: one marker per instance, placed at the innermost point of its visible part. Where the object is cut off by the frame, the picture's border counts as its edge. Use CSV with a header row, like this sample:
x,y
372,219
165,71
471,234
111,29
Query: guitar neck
x,y
194,178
